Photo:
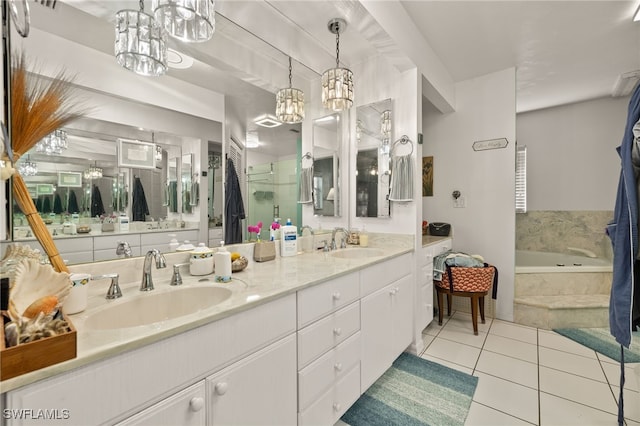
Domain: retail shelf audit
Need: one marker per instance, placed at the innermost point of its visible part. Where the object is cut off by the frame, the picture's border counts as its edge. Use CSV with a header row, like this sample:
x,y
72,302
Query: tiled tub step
x,y
563,311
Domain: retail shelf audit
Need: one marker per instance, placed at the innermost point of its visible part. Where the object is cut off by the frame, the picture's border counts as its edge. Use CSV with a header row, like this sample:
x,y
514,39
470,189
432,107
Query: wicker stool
x,y
473,283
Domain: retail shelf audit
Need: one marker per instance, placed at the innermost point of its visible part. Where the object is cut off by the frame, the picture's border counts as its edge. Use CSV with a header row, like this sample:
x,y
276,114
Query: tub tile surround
x,y
257,284
554,231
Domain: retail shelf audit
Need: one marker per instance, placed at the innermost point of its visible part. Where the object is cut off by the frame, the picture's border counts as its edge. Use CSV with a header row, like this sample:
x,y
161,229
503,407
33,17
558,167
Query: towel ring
x,y
22,29
402,141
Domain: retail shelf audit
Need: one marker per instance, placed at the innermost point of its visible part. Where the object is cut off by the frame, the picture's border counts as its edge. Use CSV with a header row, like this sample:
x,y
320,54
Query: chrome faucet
x,y
176,278
306,227
123,248
114,291
343,241
147,282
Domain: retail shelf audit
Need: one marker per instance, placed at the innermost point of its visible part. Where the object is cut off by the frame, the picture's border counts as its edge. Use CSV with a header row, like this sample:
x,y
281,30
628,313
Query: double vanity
x,y
292,341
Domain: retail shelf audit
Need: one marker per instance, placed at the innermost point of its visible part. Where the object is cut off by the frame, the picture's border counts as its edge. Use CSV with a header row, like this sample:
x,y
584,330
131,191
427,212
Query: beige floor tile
x,y
463,335
453,352
481,415
631,403
446,363
559,411
510,347
463,320
570,363
514,331
433,328
507,397
578,389
561,343
612,371
511,369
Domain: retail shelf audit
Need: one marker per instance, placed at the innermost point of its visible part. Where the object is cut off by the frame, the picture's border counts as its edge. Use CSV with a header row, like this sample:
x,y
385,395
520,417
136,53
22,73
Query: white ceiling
x,y
563,51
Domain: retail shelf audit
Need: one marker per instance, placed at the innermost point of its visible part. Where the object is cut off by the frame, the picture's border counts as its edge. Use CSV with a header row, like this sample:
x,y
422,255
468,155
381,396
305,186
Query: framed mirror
x,y
374,138
326,166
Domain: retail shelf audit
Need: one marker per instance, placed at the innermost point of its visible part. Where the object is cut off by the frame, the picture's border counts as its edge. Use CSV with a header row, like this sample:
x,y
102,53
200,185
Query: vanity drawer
x,y
324,372
333,403
382,274
320,300
323,335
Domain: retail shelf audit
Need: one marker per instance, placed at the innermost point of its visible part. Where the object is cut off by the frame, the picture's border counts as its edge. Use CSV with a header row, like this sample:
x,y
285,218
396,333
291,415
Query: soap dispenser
x,y
222,264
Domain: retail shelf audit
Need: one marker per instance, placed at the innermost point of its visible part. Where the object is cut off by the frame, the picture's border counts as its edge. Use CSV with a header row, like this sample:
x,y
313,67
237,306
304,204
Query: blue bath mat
x,y
414,391
601,340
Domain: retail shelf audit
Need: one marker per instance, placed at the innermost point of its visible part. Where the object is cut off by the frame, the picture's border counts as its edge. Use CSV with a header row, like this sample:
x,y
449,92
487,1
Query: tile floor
x,y
531,376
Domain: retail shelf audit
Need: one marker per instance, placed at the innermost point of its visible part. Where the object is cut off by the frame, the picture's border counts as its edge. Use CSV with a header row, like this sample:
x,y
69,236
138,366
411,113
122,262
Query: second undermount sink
x,y
149,308
357,253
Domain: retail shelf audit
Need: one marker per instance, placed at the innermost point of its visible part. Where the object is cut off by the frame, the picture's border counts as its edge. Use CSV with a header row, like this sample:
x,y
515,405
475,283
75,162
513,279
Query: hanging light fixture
x,y
54,143
187,20
93,172
141,45
290,103
27,168
337,83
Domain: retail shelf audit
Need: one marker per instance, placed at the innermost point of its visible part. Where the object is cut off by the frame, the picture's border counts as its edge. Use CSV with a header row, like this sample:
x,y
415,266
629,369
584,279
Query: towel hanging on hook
x,y
305,188
401,172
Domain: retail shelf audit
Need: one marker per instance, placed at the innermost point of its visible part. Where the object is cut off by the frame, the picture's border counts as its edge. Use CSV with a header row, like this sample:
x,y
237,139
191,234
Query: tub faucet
x,y
147,281
343,241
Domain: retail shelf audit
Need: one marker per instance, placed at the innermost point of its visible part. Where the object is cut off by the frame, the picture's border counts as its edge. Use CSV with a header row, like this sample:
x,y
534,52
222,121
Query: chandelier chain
x,y
290,72
338,49
141,5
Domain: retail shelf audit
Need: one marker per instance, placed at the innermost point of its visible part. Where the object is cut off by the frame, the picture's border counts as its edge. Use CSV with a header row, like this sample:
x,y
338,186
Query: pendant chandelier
x,y
290,103
337,83
27,168
141,44
93,172
187,20
53,144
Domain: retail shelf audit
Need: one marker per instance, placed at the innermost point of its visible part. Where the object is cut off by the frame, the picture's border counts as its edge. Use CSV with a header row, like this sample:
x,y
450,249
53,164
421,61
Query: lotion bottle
x,y
289,245
222,260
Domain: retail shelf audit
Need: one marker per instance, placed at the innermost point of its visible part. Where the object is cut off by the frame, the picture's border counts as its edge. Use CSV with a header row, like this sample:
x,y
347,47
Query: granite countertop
x,y
257,284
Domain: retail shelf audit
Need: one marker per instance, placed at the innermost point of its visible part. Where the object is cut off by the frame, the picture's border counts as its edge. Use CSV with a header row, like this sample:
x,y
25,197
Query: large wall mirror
x,y
326,166
78,181
374,135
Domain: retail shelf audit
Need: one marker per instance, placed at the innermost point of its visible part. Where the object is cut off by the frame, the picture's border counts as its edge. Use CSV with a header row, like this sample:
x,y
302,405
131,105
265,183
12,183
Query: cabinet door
x,y
258,390
376,329
402,315
186,408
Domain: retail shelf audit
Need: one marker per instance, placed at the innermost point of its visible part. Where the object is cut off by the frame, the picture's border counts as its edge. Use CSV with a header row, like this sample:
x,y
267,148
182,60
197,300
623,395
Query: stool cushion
x,y
467,279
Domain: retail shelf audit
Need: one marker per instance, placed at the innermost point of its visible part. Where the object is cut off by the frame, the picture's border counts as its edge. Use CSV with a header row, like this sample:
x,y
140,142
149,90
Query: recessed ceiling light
x,y
178,60
267,120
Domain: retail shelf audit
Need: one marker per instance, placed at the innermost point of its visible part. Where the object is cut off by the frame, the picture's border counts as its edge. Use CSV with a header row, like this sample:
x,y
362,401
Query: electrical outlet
x,y
460,202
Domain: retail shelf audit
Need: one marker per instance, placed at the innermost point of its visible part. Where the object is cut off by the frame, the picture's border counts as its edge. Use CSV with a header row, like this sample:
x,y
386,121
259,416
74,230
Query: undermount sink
x,y
357,253
149,308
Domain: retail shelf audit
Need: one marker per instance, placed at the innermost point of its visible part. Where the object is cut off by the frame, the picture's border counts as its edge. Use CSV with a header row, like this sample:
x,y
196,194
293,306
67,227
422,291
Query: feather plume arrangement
x,y
38,107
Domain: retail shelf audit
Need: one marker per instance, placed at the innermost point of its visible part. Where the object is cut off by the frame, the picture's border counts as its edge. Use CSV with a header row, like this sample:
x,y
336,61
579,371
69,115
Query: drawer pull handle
x,y
221,388
338,366
196,403
337,331
393,291
336,295
337,407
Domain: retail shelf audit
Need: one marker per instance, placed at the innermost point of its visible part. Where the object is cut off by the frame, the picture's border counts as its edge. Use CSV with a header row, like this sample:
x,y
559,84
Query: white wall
x,y
485,109
572,163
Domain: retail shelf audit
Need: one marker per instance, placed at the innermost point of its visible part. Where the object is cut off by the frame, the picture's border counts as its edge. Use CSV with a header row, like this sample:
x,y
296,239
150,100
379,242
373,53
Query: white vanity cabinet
x,y
388,290
126,384
185,408
424,299
328,350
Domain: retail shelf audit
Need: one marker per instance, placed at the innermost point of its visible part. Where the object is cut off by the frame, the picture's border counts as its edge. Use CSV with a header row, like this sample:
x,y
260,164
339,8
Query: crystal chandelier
x,y
53,144
27,168
290,103
141,44
337,83
187,20
93,172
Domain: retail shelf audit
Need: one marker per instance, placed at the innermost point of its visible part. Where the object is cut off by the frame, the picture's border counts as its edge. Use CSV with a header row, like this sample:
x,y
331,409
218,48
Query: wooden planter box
x,y
31,356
